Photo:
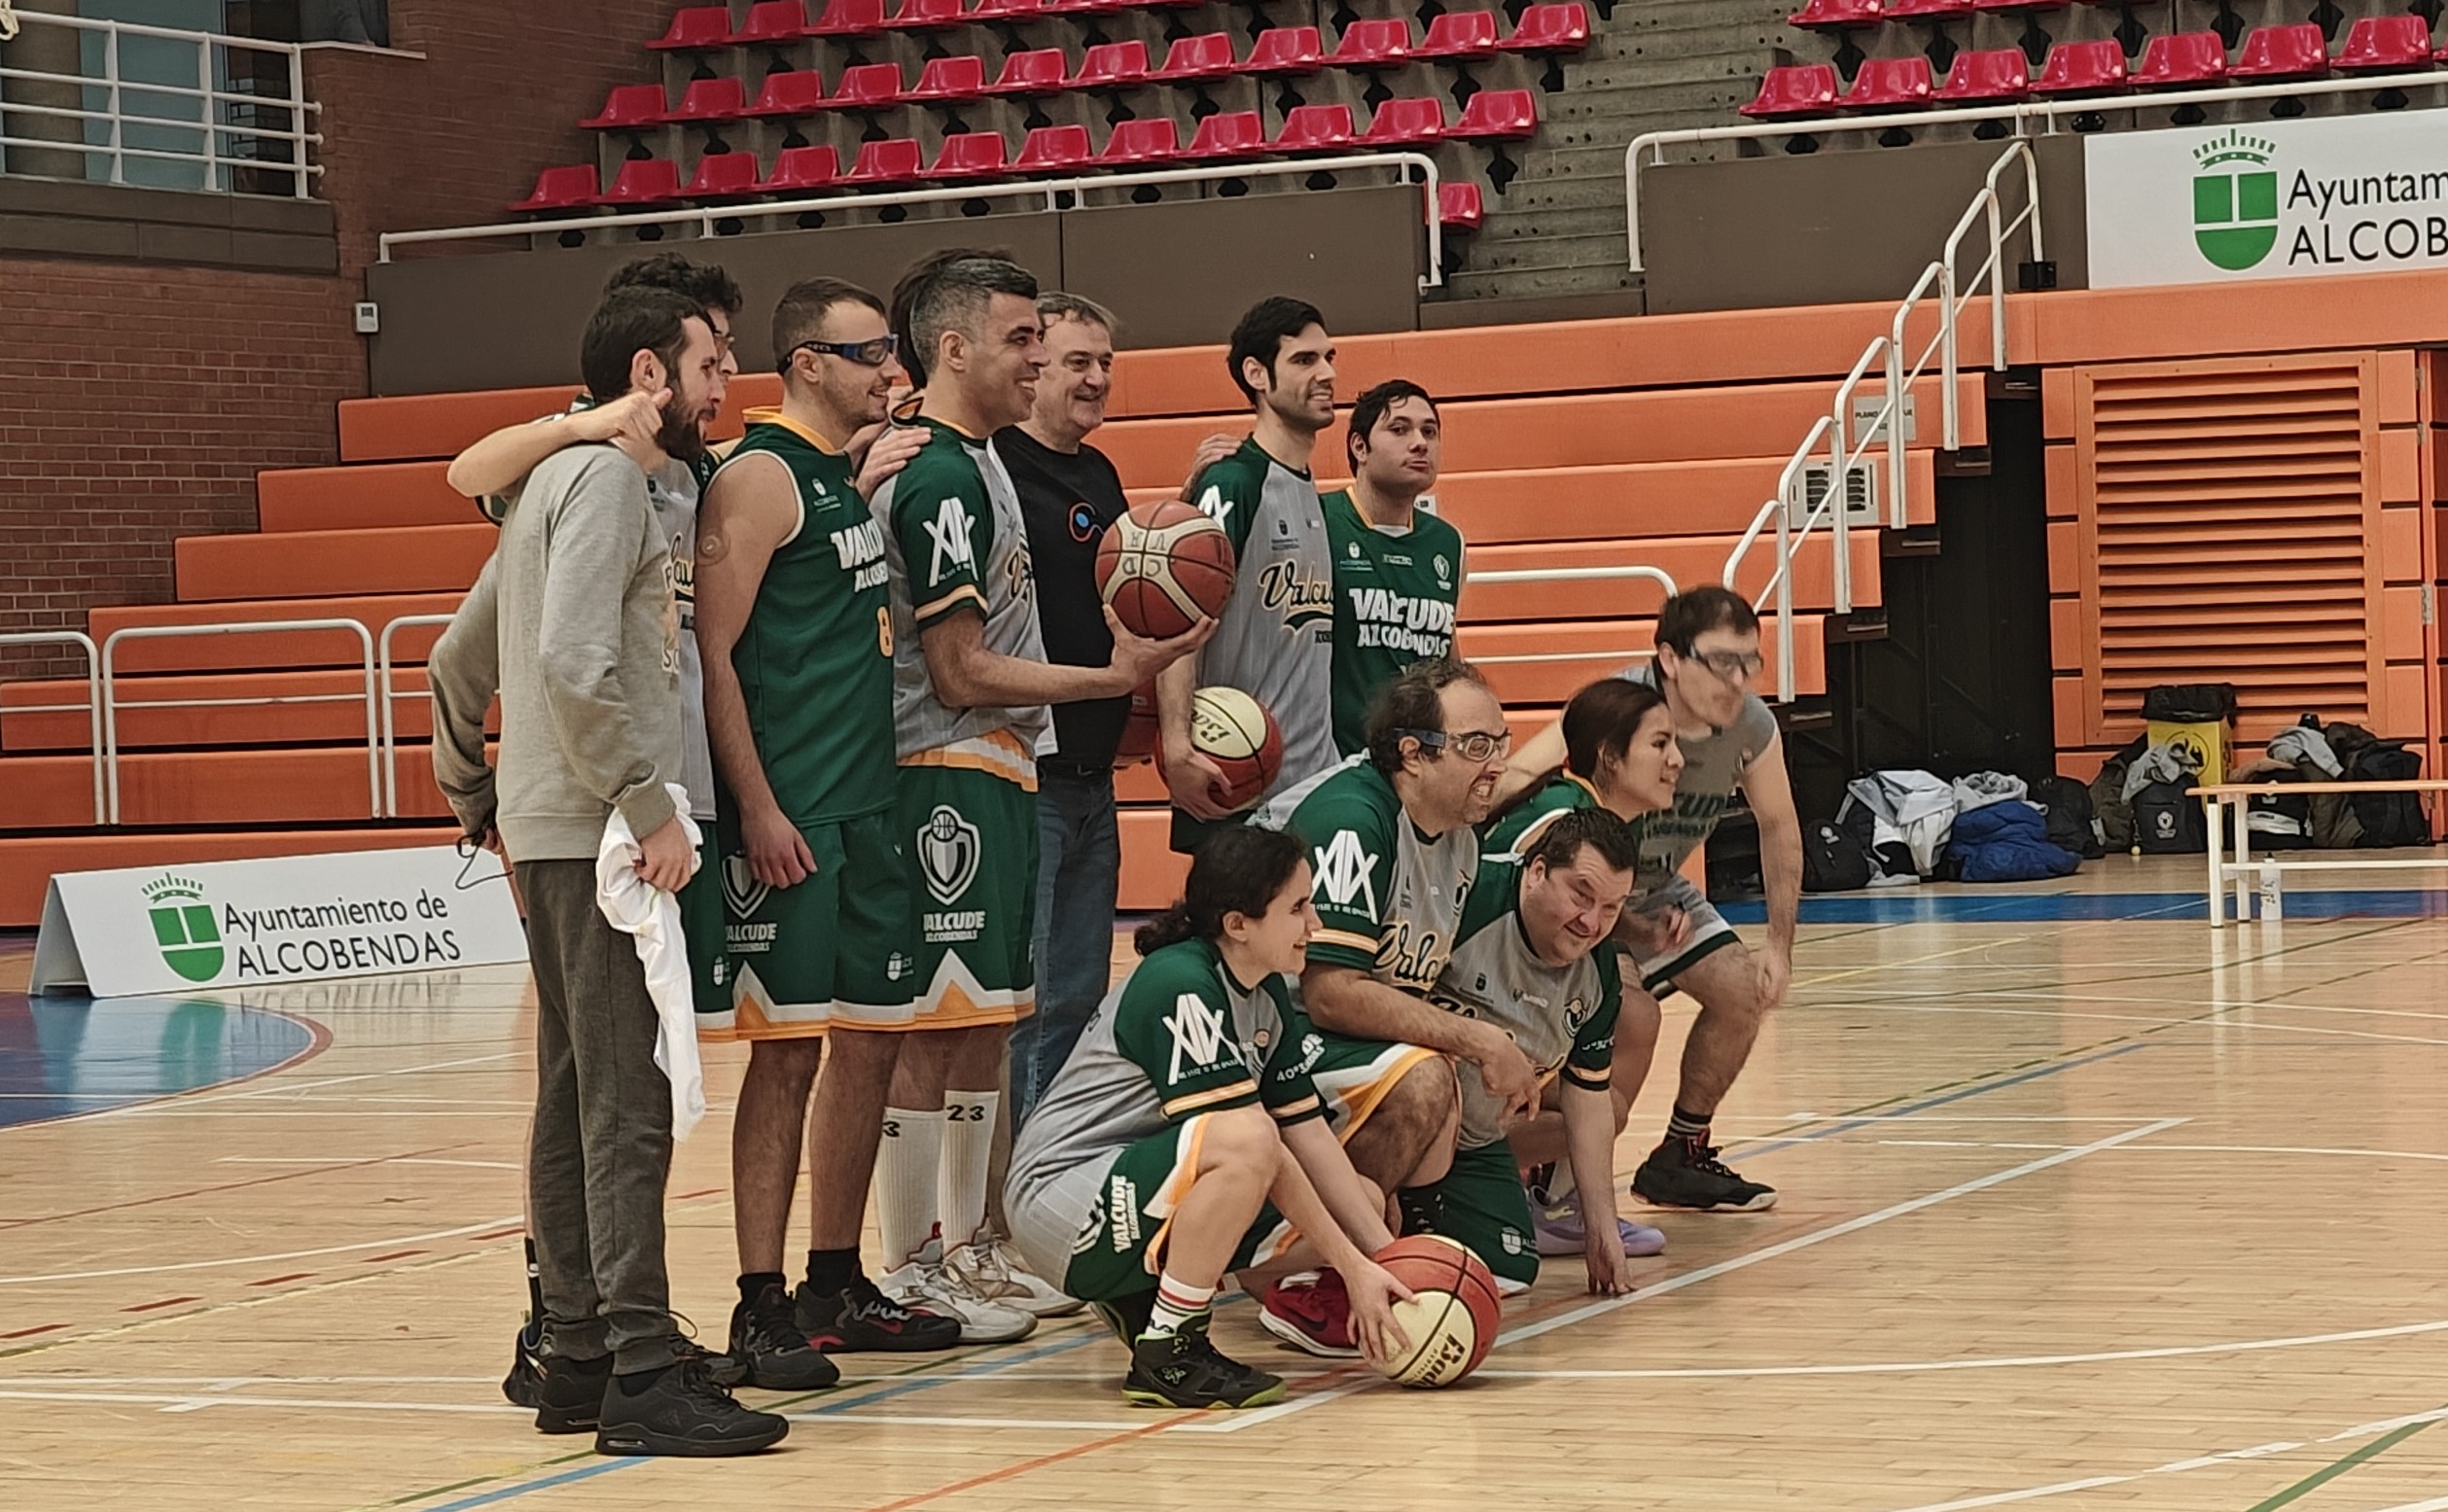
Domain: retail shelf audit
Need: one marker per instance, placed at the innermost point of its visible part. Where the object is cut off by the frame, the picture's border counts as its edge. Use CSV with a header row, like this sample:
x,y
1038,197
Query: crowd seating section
x,y
1614,447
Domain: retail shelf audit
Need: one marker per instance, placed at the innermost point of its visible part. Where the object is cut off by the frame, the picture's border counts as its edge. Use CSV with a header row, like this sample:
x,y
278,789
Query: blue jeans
x,y
1079,876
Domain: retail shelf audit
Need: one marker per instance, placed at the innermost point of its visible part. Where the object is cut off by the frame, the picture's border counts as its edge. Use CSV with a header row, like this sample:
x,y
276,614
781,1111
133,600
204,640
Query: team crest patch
x,y
742,892
947,854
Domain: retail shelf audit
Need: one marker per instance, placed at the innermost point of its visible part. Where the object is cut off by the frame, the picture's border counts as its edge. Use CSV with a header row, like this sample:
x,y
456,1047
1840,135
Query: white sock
x,y
1176,1304
968,1151
1560,1186
906,1165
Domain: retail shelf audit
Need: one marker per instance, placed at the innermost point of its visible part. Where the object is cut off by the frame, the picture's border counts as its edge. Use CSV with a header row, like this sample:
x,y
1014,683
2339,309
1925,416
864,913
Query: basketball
x,y
1238,733
1138,730
1452,1319
1162,567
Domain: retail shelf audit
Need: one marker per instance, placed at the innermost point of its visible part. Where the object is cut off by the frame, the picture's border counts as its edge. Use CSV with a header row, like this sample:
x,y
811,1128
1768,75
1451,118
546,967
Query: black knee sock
x,y
534,1295
752,1283
1423,1207
1688,1126
831,1271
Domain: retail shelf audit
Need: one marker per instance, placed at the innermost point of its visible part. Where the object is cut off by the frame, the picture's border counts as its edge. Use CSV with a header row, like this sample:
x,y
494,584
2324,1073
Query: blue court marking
x,y
1908,906
583,1472
1847,1126
60,1057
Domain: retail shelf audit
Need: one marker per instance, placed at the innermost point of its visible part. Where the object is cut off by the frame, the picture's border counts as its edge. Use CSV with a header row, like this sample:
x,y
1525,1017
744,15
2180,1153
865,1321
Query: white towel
x,y
653,918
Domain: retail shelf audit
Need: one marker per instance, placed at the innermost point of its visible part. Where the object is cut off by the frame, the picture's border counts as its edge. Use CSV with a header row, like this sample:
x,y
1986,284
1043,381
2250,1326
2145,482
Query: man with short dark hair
x,y
573,622
1275,640
1398,568
1708,652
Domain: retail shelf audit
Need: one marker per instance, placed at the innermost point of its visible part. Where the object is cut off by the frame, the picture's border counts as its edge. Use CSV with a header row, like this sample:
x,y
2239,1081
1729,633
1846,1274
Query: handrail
x,y
92,704
109,693
2020,116
390,696
706,216
1655,575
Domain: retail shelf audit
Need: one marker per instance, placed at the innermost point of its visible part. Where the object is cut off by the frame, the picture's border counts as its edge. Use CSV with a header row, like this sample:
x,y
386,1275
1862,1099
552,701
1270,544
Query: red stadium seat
x,y
1286,51
643,182
1086,6
800,92
1373,44
2083,68
1112,65
850,19
867,87
1551,28
925,16
1500,116
1010,12
949,80
1890,84
1986,78
696,28
1227,136
2273,52
1038,71
573,187
1054,150
1196,60
1794,92
1406,123
772,23
1459,37
1837,15
2174,59
1315,128
724,176
799,169
1141,144
1459,207
896,160
2377,44
970,155
2020,5
630,106
710,101
1927,10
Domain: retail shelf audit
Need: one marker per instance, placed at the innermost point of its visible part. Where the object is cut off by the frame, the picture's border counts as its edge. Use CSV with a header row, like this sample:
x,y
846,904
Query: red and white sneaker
x,y
1312,1314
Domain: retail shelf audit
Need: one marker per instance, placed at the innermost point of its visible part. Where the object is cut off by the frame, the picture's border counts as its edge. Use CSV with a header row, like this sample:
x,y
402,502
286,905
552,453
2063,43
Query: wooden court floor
x,y
2079,1213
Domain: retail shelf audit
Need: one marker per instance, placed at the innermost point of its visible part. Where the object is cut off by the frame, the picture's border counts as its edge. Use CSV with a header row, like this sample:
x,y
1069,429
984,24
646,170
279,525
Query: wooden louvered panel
x,y
2228,526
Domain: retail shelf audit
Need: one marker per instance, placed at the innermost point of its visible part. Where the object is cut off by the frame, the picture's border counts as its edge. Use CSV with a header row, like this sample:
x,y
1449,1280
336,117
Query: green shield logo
x,y
183,928
2235,201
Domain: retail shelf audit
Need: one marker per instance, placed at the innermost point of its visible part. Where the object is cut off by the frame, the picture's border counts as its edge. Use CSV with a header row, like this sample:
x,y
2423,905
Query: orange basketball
x,y
1238,733
1138,730
1163,566
1452,1317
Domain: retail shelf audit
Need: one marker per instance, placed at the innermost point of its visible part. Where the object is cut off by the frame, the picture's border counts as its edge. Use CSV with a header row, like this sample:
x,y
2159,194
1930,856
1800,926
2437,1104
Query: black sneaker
x,y
1687,1173
570,1394
1184,1370
770,1351
1126,1315
683,1411
525,1384
861,1317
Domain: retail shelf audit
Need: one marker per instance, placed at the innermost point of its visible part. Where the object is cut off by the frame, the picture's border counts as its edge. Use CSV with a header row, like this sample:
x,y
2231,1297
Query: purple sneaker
x,y
1560,1232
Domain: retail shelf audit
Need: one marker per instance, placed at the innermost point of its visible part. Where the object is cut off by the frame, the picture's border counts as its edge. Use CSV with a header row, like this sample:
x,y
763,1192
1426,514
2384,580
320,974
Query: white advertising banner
x,y
285,918
2361,193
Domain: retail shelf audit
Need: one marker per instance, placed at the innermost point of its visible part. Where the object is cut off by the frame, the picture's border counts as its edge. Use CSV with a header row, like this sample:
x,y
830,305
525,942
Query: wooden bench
x,y
2245,872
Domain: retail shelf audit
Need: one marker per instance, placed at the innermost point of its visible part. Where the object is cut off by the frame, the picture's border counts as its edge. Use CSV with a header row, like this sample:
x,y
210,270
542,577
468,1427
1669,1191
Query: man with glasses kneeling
x,y
1707,656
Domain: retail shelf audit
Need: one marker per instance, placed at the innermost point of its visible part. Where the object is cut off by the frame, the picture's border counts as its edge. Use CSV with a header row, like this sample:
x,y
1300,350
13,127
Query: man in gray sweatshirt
x,y
574,622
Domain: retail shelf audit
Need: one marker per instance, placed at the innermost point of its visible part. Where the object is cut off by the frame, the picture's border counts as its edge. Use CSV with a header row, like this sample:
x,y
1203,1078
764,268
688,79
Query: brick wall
x,y
144,399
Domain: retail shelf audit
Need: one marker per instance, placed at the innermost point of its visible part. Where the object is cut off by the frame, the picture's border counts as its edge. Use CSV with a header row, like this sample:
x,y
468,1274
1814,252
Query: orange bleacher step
x,y
336,563
384,495
311,785
1691,561
271,650
144,722
421,426
28,862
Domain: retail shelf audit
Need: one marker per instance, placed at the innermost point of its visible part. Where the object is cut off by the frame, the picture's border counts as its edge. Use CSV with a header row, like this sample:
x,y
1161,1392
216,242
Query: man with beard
x,y
575,624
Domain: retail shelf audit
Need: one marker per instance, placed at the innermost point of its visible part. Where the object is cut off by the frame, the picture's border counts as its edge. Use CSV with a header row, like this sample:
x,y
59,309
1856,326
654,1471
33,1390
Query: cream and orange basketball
x,y
1240,735
1452,1317
1163,566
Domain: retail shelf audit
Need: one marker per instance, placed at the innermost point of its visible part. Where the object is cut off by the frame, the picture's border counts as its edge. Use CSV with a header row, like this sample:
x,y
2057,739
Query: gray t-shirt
x,y
1713,767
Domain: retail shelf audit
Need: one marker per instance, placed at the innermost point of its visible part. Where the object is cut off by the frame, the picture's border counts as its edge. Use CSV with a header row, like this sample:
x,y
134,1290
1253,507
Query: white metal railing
x,y
2023,116
390,698
705,215
92,705
1654,575
210,110
112,703
1887,422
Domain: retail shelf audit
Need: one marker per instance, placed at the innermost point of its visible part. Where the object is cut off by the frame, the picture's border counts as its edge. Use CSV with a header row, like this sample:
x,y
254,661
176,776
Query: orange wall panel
x,y
2059,461
2396,394
2057,417
2400,461
2065,556
2401,544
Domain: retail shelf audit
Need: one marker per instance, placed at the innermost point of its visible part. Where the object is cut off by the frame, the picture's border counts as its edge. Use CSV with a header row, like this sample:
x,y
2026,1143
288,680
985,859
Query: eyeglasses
x,y
1469,744
1729,665
872,353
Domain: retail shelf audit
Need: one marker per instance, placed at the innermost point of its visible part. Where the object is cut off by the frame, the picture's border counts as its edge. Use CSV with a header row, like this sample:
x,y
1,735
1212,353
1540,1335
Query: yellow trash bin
x,y
2209,740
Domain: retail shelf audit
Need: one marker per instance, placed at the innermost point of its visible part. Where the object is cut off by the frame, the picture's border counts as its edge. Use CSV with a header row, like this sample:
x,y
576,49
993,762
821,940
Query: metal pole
x,y
212,146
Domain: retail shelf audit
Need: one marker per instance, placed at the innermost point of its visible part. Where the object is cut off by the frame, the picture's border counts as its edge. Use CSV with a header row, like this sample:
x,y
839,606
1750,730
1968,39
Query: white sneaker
x,y
938,1289
994,1270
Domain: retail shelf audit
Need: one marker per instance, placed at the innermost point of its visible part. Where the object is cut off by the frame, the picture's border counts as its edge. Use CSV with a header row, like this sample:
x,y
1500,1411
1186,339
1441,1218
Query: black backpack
x,y
2294,809
2189,703
2388,818
2168,820
1832,859
2068,803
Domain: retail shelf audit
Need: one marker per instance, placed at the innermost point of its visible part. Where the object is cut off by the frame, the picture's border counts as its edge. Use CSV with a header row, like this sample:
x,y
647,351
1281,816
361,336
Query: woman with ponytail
x,y
1183,1139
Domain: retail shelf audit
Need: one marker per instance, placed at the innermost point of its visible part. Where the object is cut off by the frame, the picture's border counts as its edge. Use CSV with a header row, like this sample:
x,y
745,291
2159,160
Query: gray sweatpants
x,y
600,1151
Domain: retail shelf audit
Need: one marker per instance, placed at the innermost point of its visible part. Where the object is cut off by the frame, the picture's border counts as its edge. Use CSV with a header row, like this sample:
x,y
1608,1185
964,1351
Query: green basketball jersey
x,y
1517,828
815,662
1388,899
1394,604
